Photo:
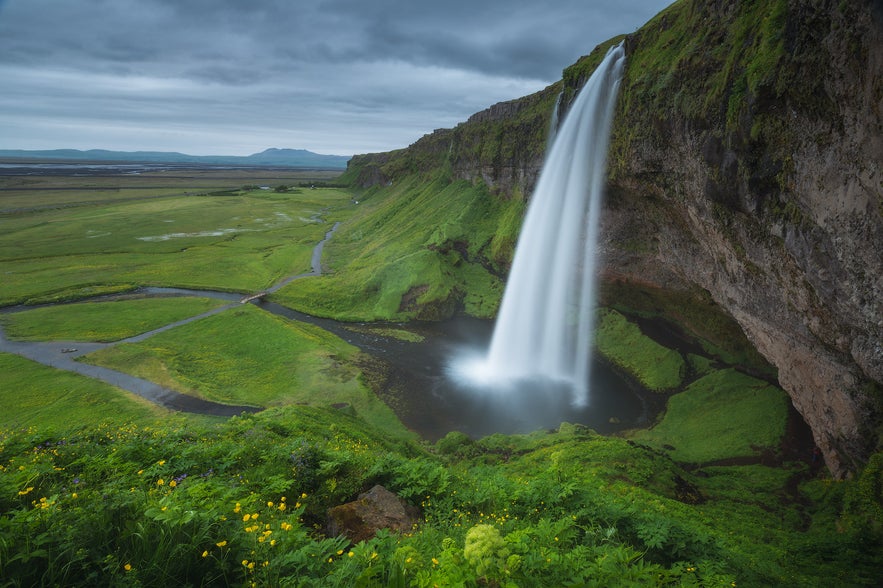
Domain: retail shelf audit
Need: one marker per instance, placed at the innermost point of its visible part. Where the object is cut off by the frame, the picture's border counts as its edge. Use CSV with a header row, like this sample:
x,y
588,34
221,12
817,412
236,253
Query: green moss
x,y
656,367
744,416
695,313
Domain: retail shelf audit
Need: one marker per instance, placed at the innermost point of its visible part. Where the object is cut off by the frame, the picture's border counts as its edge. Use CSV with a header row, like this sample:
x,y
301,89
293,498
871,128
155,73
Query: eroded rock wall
x,y
770,196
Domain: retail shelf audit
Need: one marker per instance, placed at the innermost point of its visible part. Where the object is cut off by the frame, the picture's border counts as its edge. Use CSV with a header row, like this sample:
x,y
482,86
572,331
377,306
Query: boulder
x,y
373,510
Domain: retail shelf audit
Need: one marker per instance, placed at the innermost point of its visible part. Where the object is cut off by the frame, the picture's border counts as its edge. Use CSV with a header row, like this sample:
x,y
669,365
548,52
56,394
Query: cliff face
x,y
749,144
745,161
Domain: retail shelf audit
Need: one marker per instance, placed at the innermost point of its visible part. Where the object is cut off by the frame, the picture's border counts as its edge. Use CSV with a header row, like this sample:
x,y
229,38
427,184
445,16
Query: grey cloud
x,y
391,69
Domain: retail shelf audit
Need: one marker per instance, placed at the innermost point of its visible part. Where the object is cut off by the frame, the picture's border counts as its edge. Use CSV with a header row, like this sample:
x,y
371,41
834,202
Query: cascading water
x,y
545,326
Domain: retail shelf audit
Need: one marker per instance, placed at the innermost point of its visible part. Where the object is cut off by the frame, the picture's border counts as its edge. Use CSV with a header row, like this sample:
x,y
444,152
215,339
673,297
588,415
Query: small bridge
x,y
251,297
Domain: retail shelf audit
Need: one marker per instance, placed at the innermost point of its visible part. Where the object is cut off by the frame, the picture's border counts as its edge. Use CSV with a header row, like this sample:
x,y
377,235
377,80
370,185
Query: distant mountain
x,y
269,157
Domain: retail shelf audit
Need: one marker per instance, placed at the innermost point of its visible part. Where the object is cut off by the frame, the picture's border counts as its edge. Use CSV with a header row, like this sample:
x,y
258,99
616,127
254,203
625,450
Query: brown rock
x,y
373,510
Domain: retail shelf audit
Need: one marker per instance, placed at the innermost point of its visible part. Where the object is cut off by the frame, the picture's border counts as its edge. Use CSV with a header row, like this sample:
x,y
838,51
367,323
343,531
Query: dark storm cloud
x,y
329,75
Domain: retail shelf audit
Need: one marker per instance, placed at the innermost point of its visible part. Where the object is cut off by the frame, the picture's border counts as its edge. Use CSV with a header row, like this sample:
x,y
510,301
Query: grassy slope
x,y
411,250
570,506
656,367
102,321
741,414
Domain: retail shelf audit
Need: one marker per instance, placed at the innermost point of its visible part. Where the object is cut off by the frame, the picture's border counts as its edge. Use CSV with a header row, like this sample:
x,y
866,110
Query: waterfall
x,y
545,326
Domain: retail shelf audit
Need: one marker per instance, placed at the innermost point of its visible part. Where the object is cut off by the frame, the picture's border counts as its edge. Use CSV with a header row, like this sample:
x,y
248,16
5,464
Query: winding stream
x,y
427,400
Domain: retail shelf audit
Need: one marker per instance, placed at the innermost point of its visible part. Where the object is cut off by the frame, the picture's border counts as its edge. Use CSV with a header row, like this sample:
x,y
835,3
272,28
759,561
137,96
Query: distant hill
x,y
269,157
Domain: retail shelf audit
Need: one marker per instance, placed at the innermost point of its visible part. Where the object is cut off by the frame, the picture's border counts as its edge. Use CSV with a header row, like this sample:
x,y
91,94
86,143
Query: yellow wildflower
x,y
205,553
246,517
161,462
221,543
237,508
172,484
128,567
160,482
25,491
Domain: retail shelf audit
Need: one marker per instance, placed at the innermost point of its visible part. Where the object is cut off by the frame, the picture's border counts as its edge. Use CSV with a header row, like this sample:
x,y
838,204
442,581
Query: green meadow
x,y
102,321
238,241
247,356
418,249
34,395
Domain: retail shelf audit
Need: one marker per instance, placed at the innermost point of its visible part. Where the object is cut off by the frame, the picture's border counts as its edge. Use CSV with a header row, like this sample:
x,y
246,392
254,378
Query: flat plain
x,y
64,238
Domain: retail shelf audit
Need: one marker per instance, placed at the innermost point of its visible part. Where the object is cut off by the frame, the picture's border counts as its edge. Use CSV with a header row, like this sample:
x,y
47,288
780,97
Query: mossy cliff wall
x,y
745,162
747,157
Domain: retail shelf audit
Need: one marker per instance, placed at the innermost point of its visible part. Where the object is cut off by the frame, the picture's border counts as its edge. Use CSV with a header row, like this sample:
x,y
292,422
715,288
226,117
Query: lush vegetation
x,y
247,356
656,367
32,393
244,502
102,321
741,414
238,241
394,258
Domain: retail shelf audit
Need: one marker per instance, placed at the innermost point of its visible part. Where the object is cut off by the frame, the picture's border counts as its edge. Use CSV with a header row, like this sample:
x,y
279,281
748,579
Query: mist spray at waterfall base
x,y
541,349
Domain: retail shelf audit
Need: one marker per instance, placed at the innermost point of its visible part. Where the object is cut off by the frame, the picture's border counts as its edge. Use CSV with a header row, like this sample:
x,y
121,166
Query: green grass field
x,y
27,194
36,395
247,356
102,321
240,242
395,260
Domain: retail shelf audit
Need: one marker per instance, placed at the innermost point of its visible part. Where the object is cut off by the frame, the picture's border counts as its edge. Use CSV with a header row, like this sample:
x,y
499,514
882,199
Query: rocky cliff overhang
x,y
748,146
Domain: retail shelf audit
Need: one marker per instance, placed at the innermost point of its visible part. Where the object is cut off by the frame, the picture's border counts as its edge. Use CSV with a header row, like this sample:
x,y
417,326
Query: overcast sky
x,y
233,77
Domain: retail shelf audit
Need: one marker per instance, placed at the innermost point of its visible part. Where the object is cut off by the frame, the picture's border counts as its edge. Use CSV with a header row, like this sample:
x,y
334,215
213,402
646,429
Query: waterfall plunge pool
x,y
417,383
